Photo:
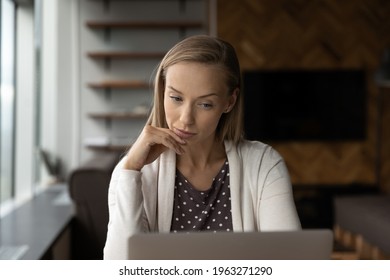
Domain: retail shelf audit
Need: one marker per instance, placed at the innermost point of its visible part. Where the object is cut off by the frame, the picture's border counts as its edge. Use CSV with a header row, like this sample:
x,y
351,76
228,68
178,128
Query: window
x,y
7,99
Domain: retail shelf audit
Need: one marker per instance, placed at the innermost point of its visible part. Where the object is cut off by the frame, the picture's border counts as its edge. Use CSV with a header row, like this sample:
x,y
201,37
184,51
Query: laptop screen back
x,y
287,245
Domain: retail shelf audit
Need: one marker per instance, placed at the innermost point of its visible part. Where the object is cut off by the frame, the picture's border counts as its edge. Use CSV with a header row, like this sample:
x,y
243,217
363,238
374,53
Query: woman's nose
x,y
187,115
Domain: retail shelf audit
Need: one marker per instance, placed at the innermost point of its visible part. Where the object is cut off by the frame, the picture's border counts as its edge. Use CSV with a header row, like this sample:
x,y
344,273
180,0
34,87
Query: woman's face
x,y
195,97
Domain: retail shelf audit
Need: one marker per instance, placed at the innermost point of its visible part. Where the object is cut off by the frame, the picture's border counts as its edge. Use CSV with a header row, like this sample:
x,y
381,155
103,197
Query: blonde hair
x,y
208,50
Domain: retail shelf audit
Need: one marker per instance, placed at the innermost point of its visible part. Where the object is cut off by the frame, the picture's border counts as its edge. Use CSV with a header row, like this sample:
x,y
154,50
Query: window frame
x,y
7,103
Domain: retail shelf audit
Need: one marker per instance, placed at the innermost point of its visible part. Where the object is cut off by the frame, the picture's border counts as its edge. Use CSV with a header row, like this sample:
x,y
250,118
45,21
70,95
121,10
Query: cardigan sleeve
x,y
277,208
126,211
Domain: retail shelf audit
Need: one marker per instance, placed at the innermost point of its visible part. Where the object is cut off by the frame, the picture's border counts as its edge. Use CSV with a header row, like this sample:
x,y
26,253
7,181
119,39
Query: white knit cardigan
x,y
261,196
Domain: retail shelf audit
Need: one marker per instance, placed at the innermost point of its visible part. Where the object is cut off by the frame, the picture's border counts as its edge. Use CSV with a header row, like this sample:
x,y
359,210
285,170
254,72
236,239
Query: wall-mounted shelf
x,y
107,148
107,144
107,3
144,24
124,54
107,26
109,55
119,85
118,116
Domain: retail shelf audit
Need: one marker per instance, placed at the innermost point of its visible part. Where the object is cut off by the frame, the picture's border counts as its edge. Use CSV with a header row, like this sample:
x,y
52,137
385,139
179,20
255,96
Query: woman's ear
x,y
232,100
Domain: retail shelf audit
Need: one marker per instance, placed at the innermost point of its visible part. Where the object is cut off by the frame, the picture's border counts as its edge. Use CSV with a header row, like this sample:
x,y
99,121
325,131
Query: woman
x,y
190,168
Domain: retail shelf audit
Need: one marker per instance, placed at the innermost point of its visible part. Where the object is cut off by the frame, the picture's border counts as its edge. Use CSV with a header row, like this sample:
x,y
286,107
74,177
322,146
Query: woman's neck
x,y
200,164
202,156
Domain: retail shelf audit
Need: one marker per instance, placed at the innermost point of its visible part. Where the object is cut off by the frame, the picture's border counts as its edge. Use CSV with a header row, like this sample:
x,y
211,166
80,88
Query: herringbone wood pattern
x,y
317,34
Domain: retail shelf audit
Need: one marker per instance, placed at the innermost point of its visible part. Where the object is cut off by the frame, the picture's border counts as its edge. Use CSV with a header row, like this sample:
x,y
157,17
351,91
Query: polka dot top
x,y
202,210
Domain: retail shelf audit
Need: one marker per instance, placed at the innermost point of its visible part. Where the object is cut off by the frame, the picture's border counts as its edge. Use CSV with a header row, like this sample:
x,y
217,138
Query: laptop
x,y
314,244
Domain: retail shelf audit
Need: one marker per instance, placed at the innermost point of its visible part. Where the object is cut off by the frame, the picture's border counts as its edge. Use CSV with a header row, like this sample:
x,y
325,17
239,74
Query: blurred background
x,y
76,82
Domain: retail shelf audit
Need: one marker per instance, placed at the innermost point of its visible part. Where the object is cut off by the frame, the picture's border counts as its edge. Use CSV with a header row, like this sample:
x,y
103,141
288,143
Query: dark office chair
x,y
88,187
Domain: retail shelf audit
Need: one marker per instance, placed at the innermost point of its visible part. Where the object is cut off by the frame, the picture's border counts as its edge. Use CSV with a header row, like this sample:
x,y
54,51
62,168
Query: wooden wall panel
x,y
317,34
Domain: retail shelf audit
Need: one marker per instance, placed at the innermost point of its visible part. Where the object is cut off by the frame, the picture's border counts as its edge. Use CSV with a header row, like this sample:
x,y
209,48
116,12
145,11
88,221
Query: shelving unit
x,y
111,84
130,38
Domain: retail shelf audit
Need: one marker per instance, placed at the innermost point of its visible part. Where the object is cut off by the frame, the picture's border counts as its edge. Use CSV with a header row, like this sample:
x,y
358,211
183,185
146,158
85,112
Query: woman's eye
x,y
206,105
175,98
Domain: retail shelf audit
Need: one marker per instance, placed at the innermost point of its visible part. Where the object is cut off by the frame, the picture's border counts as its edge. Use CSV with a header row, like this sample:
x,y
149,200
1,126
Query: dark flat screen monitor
x,y
318,105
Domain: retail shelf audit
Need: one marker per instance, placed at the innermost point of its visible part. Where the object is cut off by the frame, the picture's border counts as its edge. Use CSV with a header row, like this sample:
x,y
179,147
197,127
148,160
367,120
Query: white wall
x,y
68,98
59,95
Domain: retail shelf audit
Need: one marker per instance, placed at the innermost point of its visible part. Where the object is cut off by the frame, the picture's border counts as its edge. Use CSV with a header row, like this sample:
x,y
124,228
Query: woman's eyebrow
x,y
175,90
203,96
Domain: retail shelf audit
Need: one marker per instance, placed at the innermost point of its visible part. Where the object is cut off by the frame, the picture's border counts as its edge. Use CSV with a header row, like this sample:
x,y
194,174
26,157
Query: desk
x,y
43,224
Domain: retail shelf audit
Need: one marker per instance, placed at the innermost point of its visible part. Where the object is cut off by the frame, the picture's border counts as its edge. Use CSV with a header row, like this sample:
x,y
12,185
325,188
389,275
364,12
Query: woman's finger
x,y
165,137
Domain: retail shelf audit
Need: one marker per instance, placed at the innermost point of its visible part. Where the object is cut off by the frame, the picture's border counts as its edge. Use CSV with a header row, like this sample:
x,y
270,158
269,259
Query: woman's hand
x,y
150,144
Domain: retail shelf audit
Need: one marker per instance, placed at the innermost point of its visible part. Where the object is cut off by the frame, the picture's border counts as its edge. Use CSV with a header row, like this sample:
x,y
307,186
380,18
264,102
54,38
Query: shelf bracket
x,y
182,5
182,32
107,63
106,5
108,123
107,34
107,94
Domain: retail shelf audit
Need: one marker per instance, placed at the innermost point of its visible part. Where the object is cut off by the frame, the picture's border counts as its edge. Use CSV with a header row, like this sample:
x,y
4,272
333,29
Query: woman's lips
x,y
183,134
